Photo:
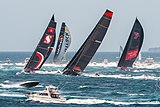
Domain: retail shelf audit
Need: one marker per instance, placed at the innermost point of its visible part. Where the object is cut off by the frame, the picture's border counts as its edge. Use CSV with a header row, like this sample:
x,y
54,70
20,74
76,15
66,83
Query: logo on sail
x,y
131,54
136,35
67,41
47,39
77,68
50,30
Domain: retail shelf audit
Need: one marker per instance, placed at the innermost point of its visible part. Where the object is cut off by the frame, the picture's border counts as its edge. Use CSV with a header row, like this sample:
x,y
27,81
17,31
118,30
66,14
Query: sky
x,y
23,22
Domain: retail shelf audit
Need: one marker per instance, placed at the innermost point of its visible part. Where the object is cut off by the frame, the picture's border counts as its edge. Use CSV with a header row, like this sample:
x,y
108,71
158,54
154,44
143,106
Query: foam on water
x,y
54,65
84,101
72,101
12,95
47,72
11,86
146,77
83,86
131,103
122,76
97,101
8,84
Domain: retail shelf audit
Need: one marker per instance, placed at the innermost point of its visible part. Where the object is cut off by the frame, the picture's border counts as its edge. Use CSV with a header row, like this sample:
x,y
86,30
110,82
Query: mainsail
x,y
64,41
89,47
43,48
132,47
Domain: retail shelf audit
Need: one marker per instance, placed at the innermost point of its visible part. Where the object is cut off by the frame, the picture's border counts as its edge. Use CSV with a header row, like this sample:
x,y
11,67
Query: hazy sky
x,y
22,22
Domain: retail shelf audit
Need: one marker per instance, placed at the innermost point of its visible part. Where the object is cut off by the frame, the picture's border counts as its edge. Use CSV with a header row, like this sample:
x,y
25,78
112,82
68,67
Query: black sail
x,y
89,47
132,47
43,48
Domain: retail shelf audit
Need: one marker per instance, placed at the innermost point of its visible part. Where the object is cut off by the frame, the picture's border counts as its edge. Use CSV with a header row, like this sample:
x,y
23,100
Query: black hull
x,y
29,84
69,72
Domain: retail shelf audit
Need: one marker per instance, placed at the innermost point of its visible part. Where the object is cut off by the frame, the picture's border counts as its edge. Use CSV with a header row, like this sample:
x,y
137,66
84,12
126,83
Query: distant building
x,y
155,49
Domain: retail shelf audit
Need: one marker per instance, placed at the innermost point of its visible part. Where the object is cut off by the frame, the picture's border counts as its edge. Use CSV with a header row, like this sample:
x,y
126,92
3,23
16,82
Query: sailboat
x,y
43,49
64,41
120,51
132,47
83,56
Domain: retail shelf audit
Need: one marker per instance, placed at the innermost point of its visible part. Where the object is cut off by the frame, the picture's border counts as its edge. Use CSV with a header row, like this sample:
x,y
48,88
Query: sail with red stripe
x,y
133,46
43,49
83,56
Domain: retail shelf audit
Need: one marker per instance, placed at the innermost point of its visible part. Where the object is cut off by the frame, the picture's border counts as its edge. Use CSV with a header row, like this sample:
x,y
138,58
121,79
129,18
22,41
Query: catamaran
x,y
64,41
43,49
83,56
132,47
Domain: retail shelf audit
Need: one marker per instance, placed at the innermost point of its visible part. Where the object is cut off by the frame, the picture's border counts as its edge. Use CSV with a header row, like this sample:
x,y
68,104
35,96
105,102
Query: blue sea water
x,y
115,88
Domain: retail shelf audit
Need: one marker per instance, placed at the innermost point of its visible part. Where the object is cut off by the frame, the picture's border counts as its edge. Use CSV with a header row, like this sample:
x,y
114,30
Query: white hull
x,y
36,97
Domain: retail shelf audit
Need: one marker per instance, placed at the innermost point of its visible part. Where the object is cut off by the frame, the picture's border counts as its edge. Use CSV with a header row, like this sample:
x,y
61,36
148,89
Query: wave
x,y
11,86
146,77
136,94
7,64
132,103
147,66
40,72
12,95
122,76
8,84
46,64
83,86
110,64
72,101
98,101
84,101
48,72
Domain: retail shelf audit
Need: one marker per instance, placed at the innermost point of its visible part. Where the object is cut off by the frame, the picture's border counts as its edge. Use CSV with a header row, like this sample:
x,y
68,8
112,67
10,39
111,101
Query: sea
x,y
112,88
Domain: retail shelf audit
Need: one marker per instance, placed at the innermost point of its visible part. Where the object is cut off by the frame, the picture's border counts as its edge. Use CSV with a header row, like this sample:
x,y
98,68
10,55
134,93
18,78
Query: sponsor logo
x,y
131,54
136,35
67,41
50,30
98,41
60,41
47,39
77,68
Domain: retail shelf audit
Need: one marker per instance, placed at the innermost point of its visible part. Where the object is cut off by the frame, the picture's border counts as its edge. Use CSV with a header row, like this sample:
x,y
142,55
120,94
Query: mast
x,y
133,46
81,59
43,48
64,41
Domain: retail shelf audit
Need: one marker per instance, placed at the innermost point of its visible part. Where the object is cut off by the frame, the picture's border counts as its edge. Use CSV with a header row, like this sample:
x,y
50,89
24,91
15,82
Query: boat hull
x,y
29,84
69,72
36,97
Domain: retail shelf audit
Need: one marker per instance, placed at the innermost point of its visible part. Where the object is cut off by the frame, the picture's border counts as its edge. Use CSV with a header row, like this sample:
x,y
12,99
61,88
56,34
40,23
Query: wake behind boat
x,y
26,84
51,93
